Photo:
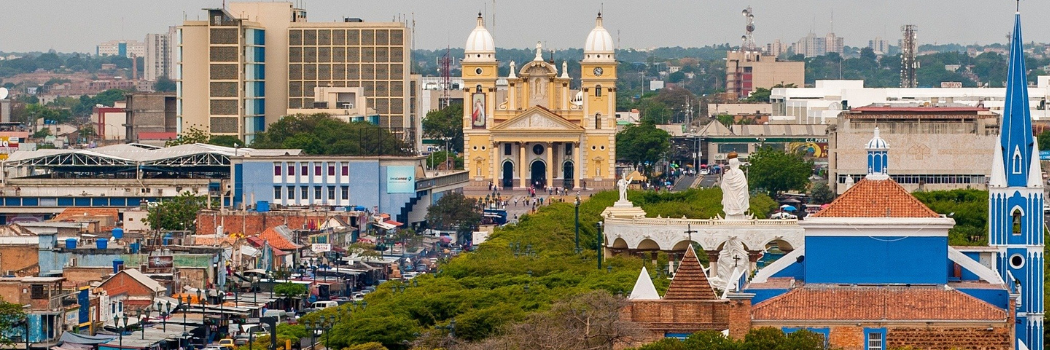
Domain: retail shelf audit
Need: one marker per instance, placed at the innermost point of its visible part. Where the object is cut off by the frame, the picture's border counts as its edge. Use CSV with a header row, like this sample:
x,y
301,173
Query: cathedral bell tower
x,y
598,78
479,77
1015,205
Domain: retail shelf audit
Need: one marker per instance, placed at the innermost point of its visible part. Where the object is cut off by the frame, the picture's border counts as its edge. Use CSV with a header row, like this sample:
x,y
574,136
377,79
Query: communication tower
x,y
908,63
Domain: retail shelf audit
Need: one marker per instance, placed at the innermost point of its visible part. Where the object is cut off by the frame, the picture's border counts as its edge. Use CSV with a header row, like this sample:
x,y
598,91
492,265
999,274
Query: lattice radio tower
x,y
908,62
446,79
748,44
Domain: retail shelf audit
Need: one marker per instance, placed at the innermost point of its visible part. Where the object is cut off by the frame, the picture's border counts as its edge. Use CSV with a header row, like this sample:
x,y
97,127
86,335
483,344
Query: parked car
x,y
241,339
227,344
320,305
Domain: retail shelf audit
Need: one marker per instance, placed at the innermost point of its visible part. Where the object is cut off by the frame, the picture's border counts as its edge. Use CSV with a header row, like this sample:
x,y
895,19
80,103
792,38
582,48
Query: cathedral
x,y
539,131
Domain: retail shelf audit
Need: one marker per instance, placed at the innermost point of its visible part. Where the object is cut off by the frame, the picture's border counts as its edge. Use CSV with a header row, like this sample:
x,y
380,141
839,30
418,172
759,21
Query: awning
x,y
385,226
73,338
392,222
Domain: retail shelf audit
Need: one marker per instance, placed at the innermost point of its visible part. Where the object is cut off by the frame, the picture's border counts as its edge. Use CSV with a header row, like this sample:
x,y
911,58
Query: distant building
x,y
111,122
747,71
879,46
245,68
158,56
124,48
776,48
812,45
149,114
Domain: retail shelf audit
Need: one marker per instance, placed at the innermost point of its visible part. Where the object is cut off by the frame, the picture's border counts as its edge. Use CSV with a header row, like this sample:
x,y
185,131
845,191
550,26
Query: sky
x,y
79,25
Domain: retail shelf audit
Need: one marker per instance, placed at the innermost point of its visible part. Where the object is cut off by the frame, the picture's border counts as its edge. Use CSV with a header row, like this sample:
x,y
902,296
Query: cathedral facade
x,y
540,131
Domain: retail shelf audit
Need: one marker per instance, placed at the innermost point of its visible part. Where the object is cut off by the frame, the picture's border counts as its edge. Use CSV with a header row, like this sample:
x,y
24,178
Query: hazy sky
x,y
78,25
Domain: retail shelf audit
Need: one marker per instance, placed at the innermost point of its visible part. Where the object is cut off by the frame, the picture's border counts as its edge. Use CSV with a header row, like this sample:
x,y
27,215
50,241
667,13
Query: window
x,y
1016,163
304,193
597,91
277,192
291,170
331,170
597,120
508,149
36,291
346,170
331,192
1016,221
317,170
568,149
874,338
305,171
276,169
1016,261
317,192
346,192
291,192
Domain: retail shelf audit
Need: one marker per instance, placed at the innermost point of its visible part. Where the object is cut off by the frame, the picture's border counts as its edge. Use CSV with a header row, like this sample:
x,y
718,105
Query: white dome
x,y
877,143
599,45
480,46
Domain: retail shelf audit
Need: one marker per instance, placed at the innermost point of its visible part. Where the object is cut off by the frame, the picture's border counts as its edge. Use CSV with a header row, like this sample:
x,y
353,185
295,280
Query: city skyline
x,y
630,22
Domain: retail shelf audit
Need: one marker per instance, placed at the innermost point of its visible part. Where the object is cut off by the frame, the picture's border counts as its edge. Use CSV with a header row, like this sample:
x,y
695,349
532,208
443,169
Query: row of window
x,y
304,192
304,169
928,179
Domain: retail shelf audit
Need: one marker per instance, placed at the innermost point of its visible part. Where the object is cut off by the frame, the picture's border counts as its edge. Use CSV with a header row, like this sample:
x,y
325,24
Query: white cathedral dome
x,y
480,46
599,46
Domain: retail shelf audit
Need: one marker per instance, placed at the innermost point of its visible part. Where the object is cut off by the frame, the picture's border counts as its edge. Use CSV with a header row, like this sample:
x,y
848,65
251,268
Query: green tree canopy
x,y
775,171
760,95
163,84
320,134
643,144
454,211
289,290
176,213
446,124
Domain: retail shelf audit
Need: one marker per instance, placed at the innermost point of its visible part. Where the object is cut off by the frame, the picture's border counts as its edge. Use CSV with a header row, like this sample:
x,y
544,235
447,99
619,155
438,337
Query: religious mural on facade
x,y
478,111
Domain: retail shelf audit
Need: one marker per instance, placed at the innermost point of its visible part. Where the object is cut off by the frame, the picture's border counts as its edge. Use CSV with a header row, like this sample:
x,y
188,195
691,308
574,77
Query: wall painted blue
x,y
764,294
796,270
998,297
918,260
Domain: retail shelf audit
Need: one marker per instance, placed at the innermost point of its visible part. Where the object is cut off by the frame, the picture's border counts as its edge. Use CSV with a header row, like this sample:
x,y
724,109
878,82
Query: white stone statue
x,y
732,257
622,183
735,197
539,52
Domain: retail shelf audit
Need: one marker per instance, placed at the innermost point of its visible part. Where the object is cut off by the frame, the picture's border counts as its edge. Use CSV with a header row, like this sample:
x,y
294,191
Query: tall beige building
x,y
244,68
749,70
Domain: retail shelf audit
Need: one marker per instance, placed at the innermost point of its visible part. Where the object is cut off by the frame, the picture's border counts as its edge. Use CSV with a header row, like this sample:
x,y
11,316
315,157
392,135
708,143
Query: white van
x,y
319,305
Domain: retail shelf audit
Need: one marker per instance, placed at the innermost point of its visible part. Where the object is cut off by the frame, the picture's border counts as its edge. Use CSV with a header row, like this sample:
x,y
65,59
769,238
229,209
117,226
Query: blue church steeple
x,y
878,152
1015,203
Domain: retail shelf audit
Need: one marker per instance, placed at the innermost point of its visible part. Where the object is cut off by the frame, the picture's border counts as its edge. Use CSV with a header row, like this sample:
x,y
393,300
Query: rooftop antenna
x,y
493,18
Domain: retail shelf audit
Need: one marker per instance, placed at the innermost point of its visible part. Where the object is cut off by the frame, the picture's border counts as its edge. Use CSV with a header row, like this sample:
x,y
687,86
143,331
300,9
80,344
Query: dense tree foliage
x,y
522,269
765,338
774,171
969,208
454,211
164,84
446,124
642,144
176,213
11,317
821,193
319,134
194,135
56,62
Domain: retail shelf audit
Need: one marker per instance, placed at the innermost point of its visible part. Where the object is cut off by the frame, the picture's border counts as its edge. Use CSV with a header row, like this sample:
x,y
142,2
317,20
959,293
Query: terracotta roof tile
x,y
690,282
877,198
79,212
277,240
823,302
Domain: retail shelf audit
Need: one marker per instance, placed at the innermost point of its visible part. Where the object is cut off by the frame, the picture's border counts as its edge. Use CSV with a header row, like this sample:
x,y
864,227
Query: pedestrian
x,y
515,202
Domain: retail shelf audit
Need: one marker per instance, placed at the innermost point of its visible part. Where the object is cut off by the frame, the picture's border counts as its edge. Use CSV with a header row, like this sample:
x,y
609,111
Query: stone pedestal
x,y
623,210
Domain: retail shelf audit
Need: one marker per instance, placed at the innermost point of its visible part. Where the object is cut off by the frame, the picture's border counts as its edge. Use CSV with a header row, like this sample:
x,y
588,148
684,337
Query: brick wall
x,y
252,223
945,338
81,275
846,337
122,283
739,318
658,317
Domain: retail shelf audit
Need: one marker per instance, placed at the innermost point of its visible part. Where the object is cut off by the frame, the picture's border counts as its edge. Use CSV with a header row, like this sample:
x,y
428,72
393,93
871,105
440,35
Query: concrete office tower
x,y
237,85
158,57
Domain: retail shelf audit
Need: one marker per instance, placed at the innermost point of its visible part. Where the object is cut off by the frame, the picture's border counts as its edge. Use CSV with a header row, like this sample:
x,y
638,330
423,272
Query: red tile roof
x,y
893,303
690,282
277,240
877,198
80,212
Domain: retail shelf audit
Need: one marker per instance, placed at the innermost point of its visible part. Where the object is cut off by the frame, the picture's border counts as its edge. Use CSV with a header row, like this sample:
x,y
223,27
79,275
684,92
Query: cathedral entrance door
x,y
508,174
567,175
539,174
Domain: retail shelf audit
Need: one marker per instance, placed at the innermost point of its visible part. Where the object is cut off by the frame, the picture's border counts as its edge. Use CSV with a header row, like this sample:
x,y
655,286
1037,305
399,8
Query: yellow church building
x,y
540,131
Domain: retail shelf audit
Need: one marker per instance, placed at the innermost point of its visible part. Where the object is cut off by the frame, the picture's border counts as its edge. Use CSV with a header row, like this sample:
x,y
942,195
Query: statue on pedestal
x,y
735,196
622,184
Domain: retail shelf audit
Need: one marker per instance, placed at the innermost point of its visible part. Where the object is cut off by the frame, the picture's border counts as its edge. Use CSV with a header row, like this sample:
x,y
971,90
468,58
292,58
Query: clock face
x,y
598,71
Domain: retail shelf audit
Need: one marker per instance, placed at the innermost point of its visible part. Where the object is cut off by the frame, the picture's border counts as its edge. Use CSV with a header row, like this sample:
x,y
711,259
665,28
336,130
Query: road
x,y
684,183
708,181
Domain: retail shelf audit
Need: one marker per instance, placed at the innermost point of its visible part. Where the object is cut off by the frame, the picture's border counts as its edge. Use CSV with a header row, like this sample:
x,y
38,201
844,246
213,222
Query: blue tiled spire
x,y
1015,137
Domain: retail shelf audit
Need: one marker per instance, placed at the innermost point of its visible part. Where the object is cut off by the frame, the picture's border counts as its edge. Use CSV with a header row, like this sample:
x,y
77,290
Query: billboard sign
x,y
321,247
401,179
160,262
1044,155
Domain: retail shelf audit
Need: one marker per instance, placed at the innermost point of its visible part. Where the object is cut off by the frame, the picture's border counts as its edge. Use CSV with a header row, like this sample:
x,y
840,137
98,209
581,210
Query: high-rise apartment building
x,y
879,46
246,67
747,71
813,46
126,48
776,48
157,60
833,43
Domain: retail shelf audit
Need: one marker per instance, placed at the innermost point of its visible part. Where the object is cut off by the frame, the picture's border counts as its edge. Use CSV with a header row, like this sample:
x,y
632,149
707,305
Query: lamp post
x,y
184,336
204,317
142,322
577,222
164,310
222,315
255,290
120,330
601,242
185,308
313,335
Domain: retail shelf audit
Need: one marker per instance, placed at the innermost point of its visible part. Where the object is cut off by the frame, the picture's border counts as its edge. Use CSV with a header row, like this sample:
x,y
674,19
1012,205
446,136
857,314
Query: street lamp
x,y
600,244
142,321
577,222
185,308
164,310
204,317
120,330
222,315
313,333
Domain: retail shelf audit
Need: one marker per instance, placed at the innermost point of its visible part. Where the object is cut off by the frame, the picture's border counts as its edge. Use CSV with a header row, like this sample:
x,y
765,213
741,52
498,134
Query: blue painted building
x,y
394,185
